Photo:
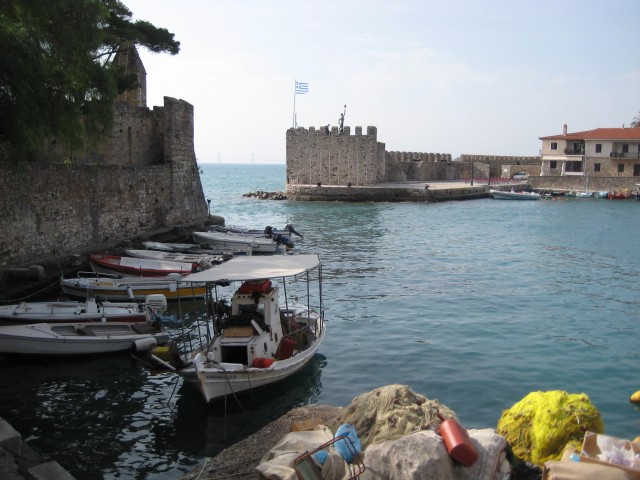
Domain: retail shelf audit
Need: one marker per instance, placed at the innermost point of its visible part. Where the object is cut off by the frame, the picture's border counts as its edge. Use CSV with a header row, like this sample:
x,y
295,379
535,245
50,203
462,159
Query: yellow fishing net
x,y
540,425
389,412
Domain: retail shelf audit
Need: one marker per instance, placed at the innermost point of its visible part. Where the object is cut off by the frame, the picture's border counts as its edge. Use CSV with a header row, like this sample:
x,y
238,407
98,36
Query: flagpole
x,y
295,83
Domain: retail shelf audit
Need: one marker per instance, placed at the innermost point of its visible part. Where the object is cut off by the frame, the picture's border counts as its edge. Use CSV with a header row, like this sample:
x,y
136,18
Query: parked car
x,y
521,176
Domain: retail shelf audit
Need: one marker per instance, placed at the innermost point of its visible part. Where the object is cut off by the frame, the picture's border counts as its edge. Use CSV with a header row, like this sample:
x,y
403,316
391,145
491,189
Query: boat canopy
x,y
256,268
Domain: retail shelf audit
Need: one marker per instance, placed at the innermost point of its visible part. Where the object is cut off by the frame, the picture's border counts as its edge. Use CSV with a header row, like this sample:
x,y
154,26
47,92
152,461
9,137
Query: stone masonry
x,y
143,176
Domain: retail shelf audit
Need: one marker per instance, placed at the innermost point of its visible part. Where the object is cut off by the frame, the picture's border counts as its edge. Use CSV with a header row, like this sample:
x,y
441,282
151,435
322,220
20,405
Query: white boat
x,y
513,195
115,288
89,310
267,232
237,241
265,337
194,258
80,338
170,247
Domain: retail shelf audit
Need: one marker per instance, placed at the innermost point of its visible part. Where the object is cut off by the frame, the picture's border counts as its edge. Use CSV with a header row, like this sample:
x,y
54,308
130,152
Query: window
x,y
554,145
636,170
621,168
625,148
596,167
598,148
553,164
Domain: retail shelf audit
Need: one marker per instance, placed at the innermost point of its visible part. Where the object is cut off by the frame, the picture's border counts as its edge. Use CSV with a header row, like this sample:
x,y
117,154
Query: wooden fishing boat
x,y
193,258
116,288
264,337
139,267
513,195
89,310
74,339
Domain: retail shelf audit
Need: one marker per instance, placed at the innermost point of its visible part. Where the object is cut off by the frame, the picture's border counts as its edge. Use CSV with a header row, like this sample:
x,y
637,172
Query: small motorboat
x,y
92,338
239,241
90,310
193,258
268,231
115,288
139,267
263,336
513,195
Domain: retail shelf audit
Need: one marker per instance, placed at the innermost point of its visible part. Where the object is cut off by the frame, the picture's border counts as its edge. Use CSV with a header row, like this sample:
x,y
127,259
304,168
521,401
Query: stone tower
x,y
127,57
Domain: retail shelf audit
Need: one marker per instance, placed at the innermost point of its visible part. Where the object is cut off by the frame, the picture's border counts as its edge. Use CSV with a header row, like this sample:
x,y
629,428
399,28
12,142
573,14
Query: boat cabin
x,y
257,331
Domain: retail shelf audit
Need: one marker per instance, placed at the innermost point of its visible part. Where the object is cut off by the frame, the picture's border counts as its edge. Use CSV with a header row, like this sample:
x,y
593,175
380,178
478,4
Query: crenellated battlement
x,y
326,156
419,157
328,131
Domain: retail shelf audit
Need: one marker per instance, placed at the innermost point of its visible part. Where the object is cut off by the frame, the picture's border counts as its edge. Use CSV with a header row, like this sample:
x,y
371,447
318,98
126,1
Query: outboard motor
x,y
290,228
283,240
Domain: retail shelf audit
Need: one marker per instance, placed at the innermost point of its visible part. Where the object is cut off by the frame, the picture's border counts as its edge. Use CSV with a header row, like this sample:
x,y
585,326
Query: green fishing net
x,y
540,425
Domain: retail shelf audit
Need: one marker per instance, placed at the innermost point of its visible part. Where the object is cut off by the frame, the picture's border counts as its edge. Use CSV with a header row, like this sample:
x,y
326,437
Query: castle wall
x,y
313,157
145,176
333,158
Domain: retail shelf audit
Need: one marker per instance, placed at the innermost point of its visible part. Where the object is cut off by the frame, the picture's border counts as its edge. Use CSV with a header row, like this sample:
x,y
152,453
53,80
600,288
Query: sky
x,y
483,77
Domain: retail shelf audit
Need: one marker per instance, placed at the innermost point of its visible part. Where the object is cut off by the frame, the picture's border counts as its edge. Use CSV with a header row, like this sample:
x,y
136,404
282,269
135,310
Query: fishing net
x,y
389,412
540,425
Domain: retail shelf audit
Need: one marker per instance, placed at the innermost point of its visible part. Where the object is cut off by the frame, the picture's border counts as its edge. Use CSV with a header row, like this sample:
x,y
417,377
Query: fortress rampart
x,y
330,157
141,177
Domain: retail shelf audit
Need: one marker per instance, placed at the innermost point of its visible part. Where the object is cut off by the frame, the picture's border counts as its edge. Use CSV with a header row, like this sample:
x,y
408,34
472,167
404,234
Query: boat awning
x,y
255,268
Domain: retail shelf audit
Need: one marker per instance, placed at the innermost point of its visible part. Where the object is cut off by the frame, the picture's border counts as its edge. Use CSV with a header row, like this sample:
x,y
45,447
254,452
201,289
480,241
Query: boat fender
x,y
145,344
635,398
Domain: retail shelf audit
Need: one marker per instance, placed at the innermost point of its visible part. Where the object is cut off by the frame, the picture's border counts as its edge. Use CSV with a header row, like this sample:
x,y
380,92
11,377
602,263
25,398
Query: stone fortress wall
x,y
317,156
143,176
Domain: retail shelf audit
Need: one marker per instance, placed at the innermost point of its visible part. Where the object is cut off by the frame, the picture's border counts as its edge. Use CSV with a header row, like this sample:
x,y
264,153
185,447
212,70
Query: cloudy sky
x,y
448,76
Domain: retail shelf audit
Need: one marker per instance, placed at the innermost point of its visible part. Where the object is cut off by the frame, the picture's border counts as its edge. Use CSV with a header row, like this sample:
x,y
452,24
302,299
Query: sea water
x,y
473,303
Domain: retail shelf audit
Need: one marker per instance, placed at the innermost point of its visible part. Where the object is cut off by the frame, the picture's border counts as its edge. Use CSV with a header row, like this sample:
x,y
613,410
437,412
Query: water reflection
x,y
109,417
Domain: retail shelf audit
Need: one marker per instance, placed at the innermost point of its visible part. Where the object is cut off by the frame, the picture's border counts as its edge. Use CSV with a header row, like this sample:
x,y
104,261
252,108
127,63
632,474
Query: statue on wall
x,y
341,120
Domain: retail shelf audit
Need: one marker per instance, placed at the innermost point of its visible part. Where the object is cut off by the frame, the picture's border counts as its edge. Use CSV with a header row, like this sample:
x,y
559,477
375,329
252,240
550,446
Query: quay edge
x,y
390,192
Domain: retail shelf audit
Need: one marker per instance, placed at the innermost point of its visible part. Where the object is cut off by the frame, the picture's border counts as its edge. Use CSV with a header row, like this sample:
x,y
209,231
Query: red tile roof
x,y
599,134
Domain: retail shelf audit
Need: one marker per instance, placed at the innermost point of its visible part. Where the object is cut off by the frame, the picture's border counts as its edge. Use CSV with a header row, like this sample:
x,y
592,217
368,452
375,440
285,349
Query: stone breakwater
x,y
266,195
19,461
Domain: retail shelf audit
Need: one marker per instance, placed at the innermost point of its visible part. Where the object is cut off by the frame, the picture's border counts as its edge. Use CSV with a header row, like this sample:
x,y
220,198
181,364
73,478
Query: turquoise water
x,y
473,303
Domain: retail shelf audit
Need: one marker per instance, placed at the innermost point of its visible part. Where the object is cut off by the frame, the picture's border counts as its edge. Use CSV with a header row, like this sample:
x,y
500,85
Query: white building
x,y
603,152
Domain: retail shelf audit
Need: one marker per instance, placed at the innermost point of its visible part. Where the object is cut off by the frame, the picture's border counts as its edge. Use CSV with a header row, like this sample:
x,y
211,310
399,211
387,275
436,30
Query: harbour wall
x,y
579,183
143,176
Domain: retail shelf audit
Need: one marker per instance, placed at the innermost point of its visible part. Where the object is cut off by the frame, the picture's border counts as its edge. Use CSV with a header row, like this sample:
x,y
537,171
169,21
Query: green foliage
x,y
636,121
56,75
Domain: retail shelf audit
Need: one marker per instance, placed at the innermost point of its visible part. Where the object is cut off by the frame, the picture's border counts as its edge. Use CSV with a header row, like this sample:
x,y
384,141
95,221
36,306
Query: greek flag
x,y
302,88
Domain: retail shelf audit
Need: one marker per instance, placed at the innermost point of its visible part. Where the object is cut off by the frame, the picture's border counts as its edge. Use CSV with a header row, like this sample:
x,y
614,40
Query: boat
x,y
267,232
116,288
89,310
513,195
238,241
263,336
170,247
80,338
139,267
193,248
619,195
193,258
